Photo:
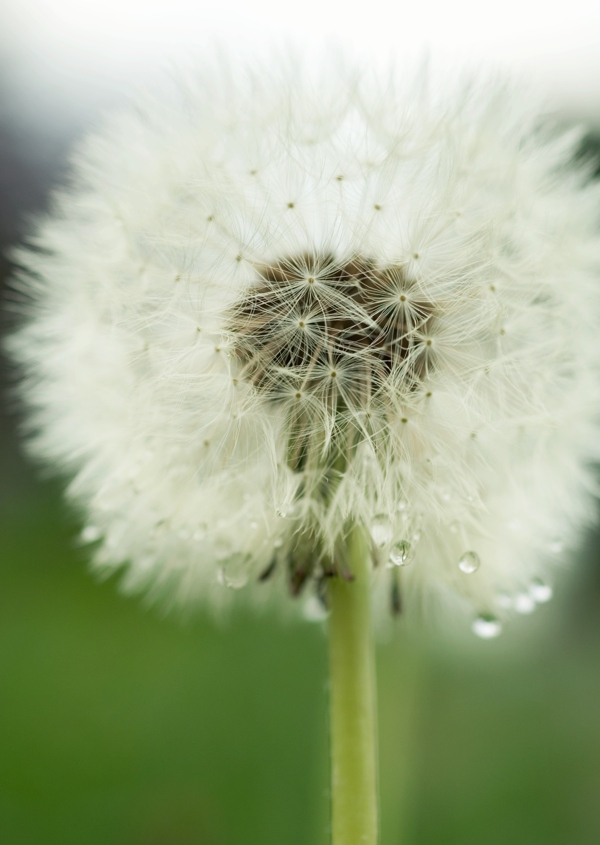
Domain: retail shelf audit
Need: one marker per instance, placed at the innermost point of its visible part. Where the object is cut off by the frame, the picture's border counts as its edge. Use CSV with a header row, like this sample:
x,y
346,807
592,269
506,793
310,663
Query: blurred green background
x,y
118,727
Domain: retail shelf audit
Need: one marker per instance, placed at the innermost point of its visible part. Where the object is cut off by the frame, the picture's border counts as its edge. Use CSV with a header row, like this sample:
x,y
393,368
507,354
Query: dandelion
x,y
315,336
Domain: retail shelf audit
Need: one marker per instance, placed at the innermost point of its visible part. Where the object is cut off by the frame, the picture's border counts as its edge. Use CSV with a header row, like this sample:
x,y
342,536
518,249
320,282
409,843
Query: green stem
x,y
352,702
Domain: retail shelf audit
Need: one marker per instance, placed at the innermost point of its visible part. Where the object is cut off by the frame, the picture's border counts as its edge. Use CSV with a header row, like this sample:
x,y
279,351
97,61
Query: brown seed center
x,y
318,326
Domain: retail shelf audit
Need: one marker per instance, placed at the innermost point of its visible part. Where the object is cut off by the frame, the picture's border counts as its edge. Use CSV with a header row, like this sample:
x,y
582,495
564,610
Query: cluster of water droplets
x,y
400,552
233,573
486,625
525,601
396,538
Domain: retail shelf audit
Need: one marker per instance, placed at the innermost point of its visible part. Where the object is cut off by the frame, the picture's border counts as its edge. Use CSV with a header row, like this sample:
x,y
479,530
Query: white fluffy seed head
x,y
270,307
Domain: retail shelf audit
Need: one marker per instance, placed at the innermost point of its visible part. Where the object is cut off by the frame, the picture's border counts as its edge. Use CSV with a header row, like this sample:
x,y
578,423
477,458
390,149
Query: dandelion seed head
x,y
271,306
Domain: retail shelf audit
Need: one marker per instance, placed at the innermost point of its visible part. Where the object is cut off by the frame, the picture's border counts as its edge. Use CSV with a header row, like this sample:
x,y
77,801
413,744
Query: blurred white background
x,y
84,53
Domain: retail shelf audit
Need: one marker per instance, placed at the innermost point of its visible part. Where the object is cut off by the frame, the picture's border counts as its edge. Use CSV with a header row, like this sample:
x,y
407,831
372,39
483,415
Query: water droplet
x,y
416,536
381,530
556,546
402,505
486,626
277,543
229,578
400,554
90,534
524,603
469,563
314,610
539,591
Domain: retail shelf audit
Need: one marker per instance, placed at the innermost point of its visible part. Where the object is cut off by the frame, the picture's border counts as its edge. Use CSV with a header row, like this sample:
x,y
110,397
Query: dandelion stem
x,y
352,702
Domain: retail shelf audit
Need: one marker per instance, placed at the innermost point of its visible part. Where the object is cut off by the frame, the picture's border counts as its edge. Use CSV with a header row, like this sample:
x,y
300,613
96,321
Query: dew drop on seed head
x,y
277,543
486,626
539,591
314,610
524,603
469,563
400,554
233,580
556,546
90,534
416,536
402,505
381,530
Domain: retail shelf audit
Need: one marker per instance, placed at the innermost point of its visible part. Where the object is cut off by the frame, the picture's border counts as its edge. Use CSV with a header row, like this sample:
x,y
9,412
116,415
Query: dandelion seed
x,y
336,358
